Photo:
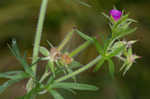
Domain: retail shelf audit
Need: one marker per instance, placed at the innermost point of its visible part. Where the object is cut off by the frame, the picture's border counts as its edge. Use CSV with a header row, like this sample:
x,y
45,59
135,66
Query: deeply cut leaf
x,y
15,50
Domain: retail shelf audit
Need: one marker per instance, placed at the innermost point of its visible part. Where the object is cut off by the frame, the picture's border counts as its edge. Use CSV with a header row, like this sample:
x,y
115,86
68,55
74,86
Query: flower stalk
x,y
90,64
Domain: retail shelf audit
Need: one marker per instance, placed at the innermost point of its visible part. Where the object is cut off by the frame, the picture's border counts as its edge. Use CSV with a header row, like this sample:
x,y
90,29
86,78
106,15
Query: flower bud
x,y
116,14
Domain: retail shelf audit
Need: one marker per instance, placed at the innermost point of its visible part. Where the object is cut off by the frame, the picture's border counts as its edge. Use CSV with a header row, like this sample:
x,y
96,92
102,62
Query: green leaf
x,y
14,75
106,16
15,79
98,47
30,94
130,52
111,67
55,94
131,20
6,85
83,3
117,50
45,75
76,86
99,65
50,80
126,25
44,51
27,96
8,74
66,40
75,64
15,50
60,67
127,32
50,44
108,42
127,68
86,37
124,65
70,71
112,20
51,66
120,21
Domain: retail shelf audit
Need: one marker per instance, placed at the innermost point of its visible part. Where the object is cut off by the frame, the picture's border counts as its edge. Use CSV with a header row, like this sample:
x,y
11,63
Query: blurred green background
x,y
18,20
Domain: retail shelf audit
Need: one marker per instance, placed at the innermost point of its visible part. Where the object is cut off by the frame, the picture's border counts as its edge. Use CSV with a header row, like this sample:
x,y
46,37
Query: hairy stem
x,y
92,63
39,33
80,48
67,38
31,84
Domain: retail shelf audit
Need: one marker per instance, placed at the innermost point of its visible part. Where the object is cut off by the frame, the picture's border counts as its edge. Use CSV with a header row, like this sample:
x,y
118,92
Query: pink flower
x,y
116,14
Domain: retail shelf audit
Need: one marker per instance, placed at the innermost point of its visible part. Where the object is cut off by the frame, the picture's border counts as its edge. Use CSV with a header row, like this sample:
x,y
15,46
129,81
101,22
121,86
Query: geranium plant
x,y
63,63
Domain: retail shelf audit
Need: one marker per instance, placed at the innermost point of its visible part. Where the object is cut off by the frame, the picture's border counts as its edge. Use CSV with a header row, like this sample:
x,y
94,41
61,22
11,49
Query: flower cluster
x,y
115,47
121,26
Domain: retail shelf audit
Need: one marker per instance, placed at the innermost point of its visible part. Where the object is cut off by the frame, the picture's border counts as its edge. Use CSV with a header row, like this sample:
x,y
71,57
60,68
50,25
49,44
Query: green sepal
x,y
44,51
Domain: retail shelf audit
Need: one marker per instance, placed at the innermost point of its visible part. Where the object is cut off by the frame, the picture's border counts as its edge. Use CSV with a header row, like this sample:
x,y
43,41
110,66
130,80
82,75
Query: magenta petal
x,y
116,14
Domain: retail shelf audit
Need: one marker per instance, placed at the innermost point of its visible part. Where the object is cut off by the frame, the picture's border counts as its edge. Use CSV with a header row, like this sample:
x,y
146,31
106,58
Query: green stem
x,y
31,84
110,44
92,63
67,38
45,75
80,48
39,33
